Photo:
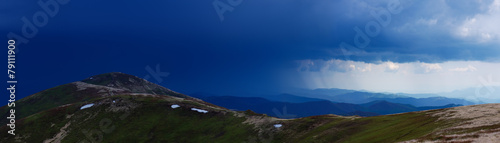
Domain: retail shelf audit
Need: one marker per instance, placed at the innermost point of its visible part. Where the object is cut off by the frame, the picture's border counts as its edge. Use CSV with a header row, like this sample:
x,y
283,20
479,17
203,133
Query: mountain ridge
x,y
312,108
150,117
360,97
93,87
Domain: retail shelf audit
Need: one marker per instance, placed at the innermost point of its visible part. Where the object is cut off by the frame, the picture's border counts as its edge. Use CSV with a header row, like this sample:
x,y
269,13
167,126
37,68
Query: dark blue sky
x,y
251,50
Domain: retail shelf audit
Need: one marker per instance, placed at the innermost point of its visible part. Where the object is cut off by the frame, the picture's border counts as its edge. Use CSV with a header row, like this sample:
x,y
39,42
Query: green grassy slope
x,y
47,99
389,128
54,115
134,119
69,93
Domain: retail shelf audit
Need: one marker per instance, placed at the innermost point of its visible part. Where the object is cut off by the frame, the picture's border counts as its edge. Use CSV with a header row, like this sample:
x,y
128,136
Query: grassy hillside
x,y
133,118
150,118
94,87
389,128
119,115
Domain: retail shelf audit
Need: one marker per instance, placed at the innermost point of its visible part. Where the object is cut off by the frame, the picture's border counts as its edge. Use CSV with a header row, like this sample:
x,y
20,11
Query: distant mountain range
x,y
360,97
309,106
481,94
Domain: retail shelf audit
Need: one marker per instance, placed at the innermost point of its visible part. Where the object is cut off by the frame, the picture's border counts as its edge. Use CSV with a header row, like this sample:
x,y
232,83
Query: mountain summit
x,y
130,83
98,86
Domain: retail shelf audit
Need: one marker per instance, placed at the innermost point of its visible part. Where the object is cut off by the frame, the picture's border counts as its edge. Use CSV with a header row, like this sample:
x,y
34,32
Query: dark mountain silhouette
x,y
360,97
312,108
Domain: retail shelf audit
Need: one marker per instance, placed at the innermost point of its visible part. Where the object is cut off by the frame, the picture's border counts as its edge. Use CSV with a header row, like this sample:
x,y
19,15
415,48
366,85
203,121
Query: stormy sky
x,y
260,46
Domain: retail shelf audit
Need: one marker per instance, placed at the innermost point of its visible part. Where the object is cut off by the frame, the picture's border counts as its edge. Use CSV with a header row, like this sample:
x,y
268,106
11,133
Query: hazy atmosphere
x,y
264,46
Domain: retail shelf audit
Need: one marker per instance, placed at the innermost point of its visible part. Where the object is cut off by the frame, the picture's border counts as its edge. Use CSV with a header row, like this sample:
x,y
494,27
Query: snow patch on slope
x,y
87,106
199,110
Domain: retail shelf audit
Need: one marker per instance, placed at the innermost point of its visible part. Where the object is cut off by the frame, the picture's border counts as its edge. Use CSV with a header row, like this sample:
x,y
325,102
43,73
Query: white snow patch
x,y
87,106
277,125
199,110
175,106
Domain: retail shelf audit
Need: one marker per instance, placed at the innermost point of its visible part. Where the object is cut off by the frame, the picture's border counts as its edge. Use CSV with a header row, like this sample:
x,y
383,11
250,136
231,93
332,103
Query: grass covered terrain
x,y
389,128
96,88
119,115
133,119
47,99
